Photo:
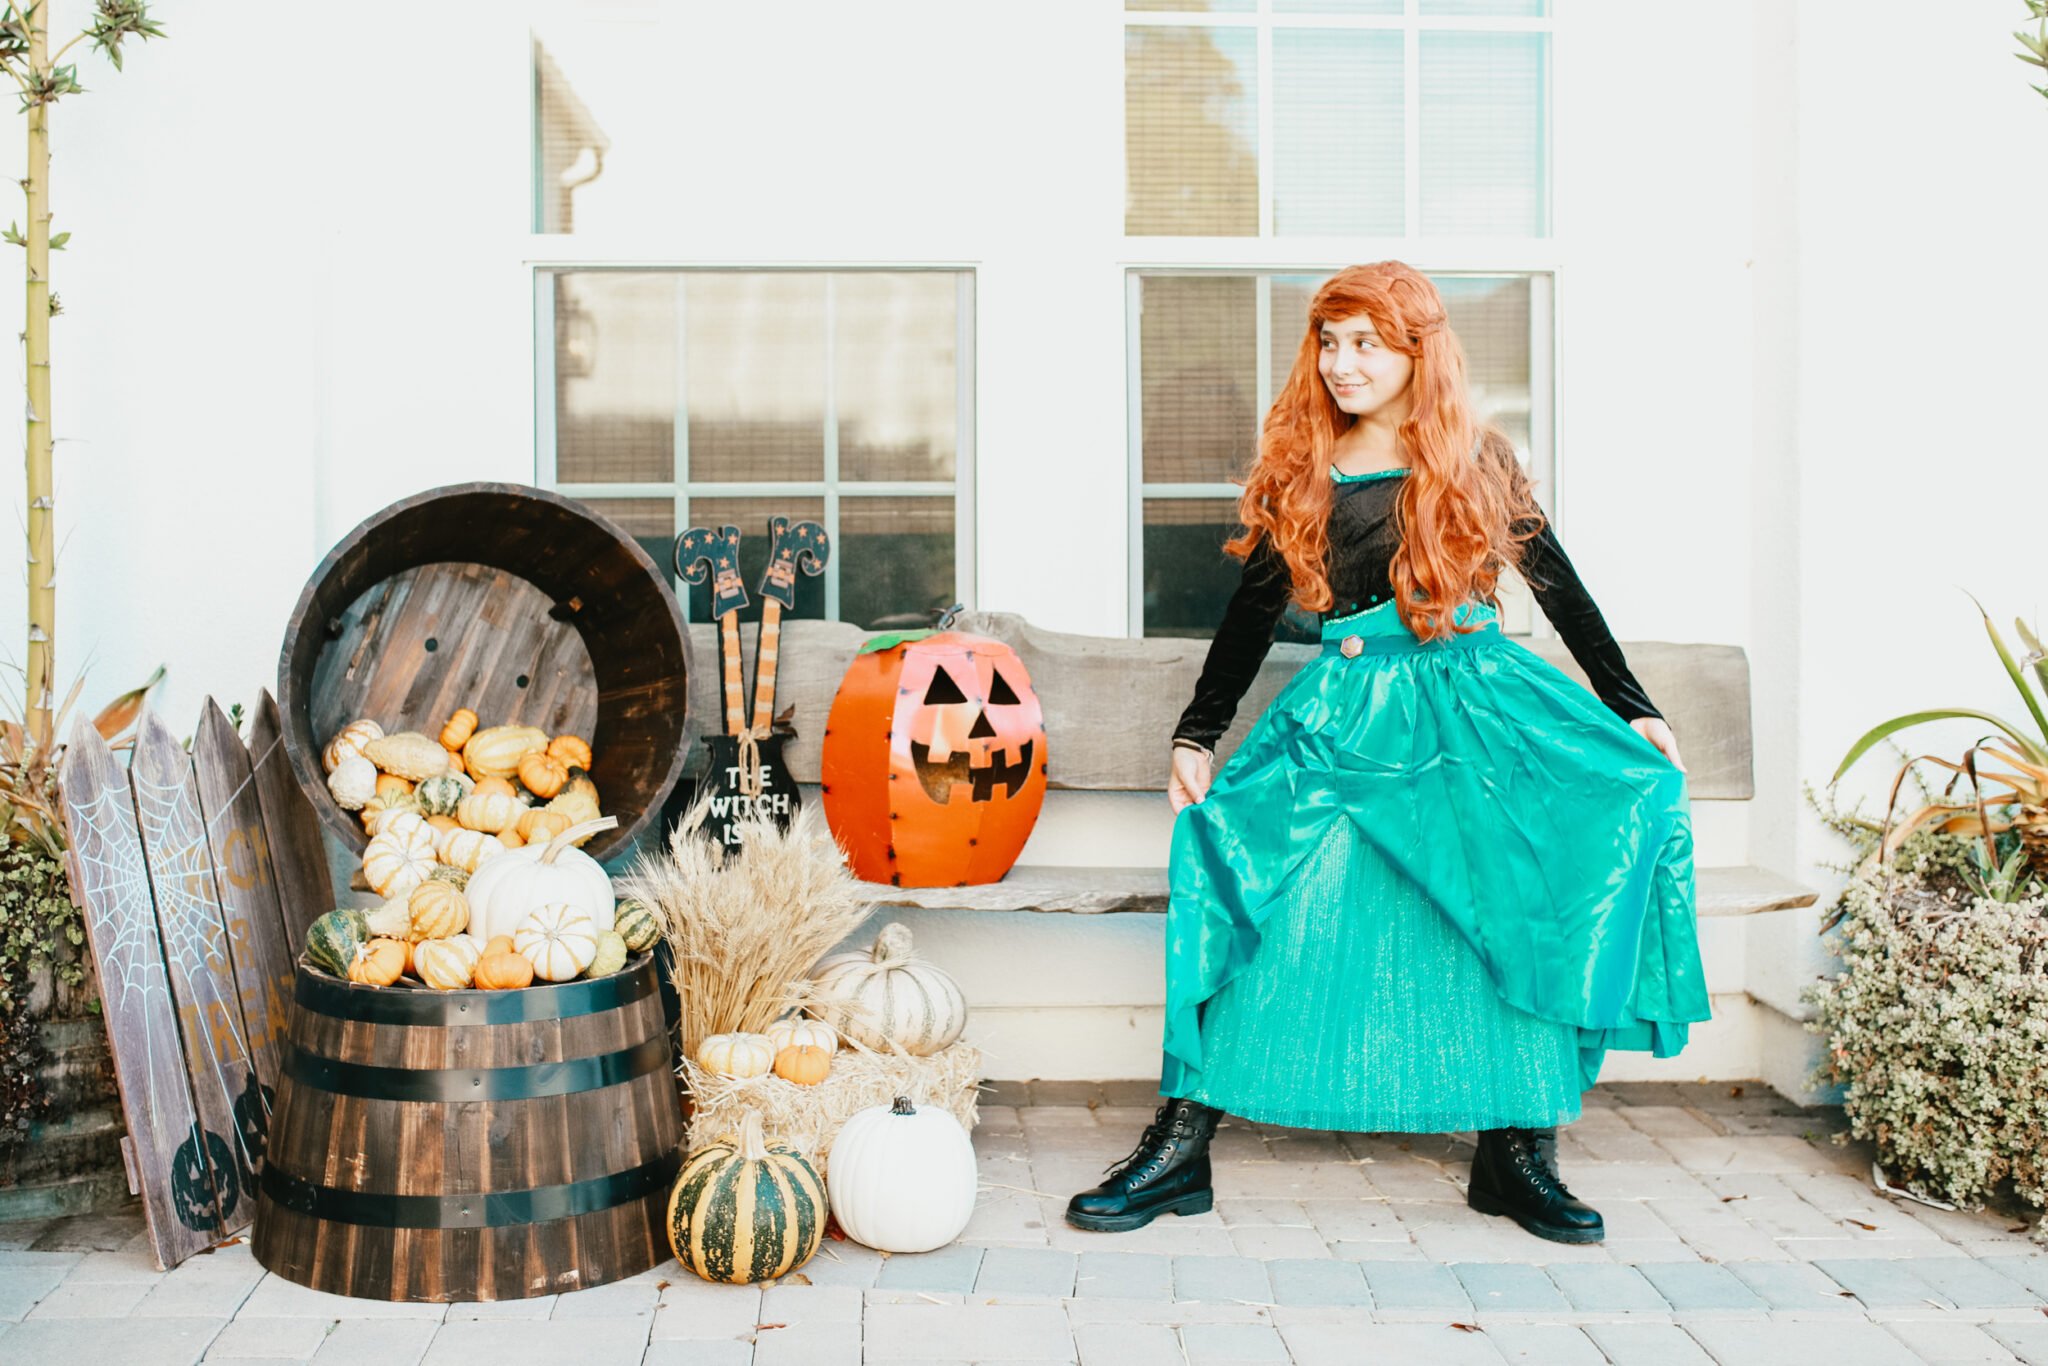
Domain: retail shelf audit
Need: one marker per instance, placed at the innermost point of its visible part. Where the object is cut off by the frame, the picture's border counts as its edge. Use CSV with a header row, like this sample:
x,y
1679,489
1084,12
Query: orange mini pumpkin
x,y
460,727
502,786
934,762
803,1064
503,971
378,963
571,750
542,774
498,943
390,785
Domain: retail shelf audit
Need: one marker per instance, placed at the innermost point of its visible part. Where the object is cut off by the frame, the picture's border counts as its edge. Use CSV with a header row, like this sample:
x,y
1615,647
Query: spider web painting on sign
x,y
110,882
233,1111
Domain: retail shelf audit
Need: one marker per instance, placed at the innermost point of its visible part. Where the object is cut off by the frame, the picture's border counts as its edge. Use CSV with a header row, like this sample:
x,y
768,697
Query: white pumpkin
x,y
396,863
350,741
560,941
398,818
797,1032
512,886
352,782
467,849
739,1056
889,995
903,1177
444,964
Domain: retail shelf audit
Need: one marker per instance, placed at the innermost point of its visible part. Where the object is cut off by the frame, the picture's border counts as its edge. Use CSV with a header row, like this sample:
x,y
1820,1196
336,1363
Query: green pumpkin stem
x,y
903,1106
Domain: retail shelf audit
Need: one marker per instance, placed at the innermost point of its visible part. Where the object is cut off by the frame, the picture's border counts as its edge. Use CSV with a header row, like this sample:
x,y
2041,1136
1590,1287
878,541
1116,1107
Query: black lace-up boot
x,y
1514,1173
1167,1173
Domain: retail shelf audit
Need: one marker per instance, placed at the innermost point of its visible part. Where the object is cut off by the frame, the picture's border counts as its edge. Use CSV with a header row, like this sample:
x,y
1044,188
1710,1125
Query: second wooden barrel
x,y
470,1145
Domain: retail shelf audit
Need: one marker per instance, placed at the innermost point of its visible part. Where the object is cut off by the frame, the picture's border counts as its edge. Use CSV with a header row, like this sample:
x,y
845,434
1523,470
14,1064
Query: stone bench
x,y
1110,706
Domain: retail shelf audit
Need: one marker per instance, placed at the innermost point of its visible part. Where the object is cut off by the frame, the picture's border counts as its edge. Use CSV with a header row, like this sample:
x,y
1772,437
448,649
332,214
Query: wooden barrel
x,y
522,605
470,1145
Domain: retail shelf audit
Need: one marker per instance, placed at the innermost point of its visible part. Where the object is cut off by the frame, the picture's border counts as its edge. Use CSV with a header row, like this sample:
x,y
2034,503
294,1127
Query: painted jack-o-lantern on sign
x,y
934,765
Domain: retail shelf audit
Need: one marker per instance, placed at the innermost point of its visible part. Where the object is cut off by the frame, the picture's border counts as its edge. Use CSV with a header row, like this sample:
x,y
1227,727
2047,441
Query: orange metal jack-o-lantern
x,y
934,765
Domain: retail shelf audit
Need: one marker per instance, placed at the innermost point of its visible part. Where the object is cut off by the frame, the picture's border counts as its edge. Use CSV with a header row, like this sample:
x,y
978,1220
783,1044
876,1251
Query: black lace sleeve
x,y
1579,624
1240,646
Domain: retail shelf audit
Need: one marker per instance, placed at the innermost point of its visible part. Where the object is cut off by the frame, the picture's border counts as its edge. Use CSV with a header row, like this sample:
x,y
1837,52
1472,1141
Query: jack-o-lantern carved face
x,y
934,762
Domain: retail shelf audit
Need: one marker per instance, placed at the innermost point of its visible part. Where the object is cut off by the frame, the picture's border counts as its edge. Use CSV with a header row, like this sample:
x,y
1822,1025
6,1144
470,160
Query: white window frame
x,y
829,488
1535,257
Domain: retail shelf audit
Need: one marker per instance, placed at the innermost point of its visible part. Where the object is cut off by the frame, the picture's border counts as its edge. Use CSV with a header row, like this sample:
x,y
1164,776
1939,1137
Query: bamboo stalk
x,y
42,594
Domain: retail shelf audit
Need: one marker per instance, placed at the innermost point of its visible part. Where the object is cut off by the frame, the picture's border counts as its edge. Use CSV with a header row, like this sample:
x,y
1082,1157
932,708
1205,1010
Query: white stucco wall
x,y
1800,342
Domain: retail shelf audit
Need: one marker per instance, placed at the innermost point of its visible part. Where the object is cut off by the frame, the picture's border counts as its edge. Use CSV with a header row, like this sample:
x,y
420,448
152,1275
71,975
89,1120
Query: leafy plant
x,y
2004,771
42,78
2035,43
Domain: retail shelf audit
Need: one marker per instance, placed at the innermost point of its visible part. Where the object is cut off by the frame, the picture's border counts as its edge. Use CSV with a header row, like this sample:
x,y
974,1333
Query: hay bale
x,y
808,1118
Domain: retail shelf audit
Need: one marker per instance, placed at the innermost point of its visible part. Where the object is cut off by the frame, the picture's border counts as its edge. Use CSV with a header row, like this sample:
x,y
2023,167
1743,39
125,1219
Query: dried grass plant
x,y
746,926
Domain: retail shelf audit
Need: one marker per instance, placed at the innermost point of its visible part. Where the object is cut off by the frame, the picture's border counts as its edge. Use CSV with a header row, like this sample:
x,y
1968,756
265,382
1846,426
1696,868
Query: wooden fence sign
x,y
109,880
297,853
176,865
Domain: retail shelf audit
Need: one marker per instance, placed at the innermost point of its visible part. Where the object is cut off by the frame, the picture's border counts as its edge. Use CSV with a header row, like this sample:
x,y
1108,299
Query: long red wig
x,y
1462,520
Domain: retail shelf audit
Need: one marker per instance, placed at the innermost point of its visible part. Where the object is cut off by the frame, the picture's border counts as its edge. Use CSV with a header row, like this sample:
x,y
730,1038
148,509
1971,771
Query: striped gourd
x,y
637,926
889,998
746,1210
332,940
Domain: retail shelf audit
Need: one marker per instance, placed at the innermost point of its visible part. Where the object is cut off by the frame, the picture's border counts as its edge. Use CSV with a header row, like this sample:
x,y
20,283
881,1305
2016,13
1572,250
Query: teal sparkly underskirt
x,y
1434,885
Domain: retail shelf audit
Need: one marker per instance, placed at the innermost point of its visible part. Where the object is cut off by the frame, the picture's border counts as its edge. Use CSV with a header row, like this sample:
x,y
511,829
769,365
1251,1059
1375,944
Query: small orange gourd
x,y
443,822
540,825
509,837
378,963
498,943
502,786
543,774
391,785
803,1064
503,971
571,750
460,727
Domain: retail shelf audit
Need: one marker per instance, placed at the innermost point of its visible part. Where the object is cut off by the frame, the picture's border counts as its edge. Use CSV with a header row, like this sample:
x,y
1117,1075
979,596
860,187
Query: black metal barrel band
x,y
482,1209
445,1084
331,996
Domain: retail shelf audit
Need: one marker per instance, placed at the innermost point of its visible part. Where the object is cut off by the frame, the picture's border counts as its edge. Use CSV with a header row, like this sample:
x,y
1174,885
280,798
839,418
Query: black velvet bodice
x,y
1364,534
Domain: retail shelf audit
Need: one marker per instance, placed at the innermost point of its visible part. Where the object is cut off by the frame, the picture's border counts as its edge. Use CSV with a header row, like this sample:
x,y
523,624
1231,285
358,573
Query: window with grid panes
x,y
681,398
1259,132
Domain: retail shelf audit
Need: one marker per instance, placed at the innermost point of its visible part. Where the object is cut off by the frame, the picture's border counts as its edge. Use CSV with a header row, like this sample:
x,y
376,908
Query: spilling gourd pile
x,y
443,808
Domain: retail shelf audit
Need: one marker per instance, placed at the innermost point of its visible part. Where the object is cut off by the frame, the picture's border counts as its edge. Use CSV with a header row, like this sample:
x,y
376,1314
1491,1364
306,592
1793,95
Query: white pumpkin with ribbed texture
x,y
444,964
738,1056
350,741
468,850
888,995
512,886
559,940
797,1032
903,1177
398,861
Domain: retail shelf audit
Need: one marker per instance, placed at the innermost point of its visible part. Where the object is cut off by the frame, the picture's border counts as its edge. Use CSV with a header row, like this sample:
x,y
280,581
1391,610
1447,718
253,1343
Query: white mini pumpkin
x,y
397,862
889,995
514,885
352,782
399,819
739,1056
559,940
903,1177
797,1032
350,740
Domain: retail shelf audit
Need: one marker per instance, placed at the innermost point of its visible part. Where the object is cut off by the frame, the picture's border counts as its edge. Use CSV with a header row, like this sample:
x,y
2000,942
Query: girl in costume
x,y
1438,879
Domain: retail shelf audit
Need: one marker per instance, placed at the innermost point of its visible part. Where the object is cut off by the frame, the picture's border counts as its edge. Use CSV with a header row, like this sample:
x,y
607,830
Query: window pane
x,y
615,377
1336,7
1188,578
1191,131
1291,296
1488,9
751,516
1491,318
1198,345
755,350
898,375
649,521
895,560
1337,132
1483,138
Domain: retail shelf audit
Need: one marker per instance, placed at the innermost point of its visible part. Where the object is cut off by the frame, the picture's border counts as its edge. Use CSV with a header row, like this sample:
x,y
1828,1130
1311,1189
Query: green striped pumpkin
x,y
332,940
637,926
746,1210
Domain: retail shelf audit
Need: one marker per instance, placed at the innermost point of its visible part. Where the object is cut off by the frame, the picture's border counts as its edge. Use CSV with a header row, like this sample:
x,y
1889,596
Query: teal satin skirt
x,y
1427,893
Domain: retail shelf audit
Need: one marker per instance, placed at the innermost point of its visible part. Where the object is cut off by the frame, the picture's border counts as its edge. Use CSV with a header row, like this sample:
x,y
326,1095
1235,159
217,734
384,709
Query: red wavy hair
x,y
1462,520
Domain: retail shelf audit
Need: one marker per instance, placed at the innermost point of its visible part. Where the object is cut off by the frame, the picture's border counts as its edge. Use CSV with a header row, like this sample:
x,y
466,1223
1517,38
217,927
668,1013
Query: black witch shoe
x,y
1514,1173
1167,1173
